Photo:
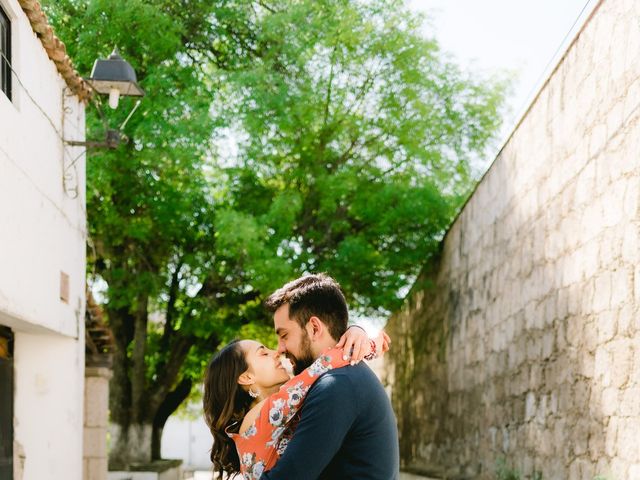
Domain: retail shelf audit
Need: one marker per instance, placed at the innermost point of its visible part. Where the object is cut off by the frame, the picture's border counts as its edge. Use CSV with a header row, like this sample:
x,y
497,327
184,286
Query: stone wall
x,y
96,419
521,341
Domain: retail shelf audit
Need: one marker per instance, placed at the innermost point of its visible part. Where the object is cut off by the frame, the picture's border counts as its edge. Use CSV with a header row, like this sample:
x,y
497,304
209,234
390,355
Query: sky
x,y
526,37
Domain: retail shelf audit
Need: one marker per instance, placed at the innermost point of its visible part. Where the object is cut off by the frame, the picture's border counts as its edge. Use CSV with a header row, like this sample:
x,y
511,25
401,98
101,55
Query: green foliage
x,y
152,203
359,126
506,472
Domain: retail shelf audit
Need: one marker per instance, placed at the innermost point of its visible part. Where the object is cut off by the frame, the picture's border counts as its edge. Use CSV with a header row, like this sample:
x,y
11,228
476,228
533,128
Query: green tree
x,y
152,202
275,139
353,141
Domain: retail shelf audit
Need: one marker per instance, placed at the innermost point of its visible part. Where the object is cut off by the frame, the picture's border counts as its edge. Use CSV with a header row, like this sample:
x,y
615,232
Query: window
x,y
5,54
6,403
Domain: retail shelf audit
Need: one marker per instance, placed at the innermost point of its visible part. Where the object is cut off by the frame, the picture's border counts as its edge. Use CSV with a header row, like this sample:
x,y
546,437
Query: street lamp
x,y
114,77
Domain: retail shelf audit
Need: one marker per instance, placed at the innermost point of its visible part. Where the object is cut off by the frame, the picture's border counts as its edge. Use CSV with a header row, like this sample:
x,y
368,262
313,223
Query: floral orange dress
x,y
260,446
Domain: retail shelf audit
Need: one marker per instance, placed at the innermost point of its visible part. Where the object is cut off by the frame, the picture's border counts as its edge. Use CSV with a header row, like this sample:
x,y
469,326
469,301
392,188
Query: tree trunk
x,y
131,422
170,404
129,445
140,411
119,388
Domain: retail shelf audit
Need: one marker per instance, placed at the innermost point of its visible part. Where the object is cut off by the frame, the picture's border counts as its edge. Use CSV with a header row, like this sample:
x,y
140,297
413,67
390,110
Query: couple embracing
x,y
332,420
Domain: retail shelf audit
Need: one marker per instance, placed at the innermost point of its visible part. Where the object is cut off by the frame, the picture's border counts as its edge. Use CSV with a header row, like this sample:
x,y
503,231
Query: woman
x,y
249,400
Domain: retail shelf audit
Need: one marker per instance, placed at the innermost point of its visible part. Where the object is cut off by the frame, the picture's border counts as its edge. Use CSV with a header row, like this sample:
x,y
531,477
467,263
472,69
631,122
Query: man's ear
x,y
246,379
315,328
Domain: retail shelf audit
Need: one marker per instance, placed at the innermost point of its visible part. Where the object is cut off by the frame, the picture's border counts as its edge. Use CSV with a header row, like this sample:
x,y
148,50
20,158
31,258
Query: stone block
x,y
590,336
597,139
589,256
587,294
591,222
534,348
632,198
630,243
629,405
548,344
613,203
611,437
602,292
562,303
609,404
606,324
575,470
596,441
536,372
97,469
619,468
615,116
580,434
603,366
581,392
622,353
610,248
585,185
561,338
96,402
626,317
634,470
575,328
574,297
587,364
95,442
621,284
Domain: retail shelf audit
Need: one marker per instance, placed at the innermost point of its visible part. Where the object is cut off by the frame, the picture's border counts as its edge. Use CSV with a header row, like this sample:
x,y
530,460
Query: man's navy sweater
x,y
347,430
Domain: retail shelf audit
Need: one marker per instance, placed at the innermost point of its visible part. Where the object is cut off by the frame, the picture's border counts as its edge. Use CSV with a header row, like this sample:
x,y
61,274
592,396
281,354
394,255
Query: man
x,y
347,429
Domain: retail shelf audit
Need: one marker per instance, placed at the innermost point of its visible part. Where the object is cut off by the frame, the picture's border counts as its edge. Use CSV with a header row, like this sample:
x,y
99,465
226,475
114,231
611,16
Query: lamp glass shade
x,y
115,73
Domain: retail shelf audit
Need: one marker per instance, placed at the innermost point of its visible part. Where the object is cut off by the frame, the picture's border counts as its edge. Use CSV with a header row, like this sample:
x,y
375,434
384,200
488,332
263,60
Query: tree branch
x,y
138,374
169,405
170,312
179,350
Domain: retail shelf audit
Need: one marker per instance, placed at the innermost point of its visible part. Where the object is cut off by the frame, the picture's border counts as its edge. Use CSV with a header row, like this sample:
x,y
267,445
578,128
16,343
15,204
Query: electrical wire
x,y
545,70
53,125
71,192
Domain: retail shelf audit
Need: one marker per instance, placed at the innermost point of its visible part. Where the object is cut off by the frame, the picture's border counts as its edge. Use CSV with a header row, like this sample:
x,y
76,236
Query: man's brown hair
x,y
313,295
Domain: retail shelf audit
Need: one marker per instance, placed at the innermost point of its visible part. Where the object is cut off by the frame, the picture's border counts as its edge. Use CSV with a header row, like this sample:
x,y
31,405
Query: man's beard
x,y
305,359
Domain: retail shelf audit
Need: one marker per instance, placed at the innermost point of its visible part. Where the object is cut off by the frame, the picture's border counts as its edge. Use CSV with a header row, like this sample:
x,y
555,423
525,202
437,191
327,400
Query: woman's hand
x,y
357,339
355,343
382,343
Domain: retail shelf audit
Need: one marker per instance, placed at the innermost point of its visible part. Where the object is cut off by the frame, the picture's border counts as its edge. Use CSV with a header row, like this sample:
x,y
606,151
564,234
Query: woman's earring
x,y
253,394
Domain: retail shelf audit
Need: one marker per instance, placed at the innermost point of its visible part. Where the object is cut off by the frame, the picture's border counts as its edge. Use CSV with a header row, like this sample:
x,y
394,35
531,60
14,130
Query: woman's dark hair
x,y
225,404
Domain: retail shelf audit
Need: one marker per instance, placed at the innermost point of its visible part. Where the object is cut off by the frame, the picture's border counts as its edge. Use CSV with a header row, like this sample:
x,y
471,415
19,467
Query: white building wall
x,y
48,405
189,440
43,233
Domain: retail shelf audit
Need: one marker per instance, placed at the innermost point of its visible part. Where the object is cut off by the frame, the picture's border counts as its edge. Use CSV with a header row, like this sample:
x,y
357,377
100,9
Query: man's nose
x,y
281,348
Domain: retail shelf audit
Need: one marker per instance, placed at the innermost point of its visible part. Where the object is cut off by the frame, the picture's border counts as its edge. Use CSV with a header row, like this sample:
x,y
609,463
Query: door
x,y
6,404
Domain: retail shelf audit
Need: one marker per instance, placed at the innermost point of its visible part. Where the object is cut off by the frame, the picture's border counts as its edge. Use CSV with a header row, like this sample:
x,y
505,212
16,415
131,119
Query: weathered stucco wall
x,y
522,340
42,233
